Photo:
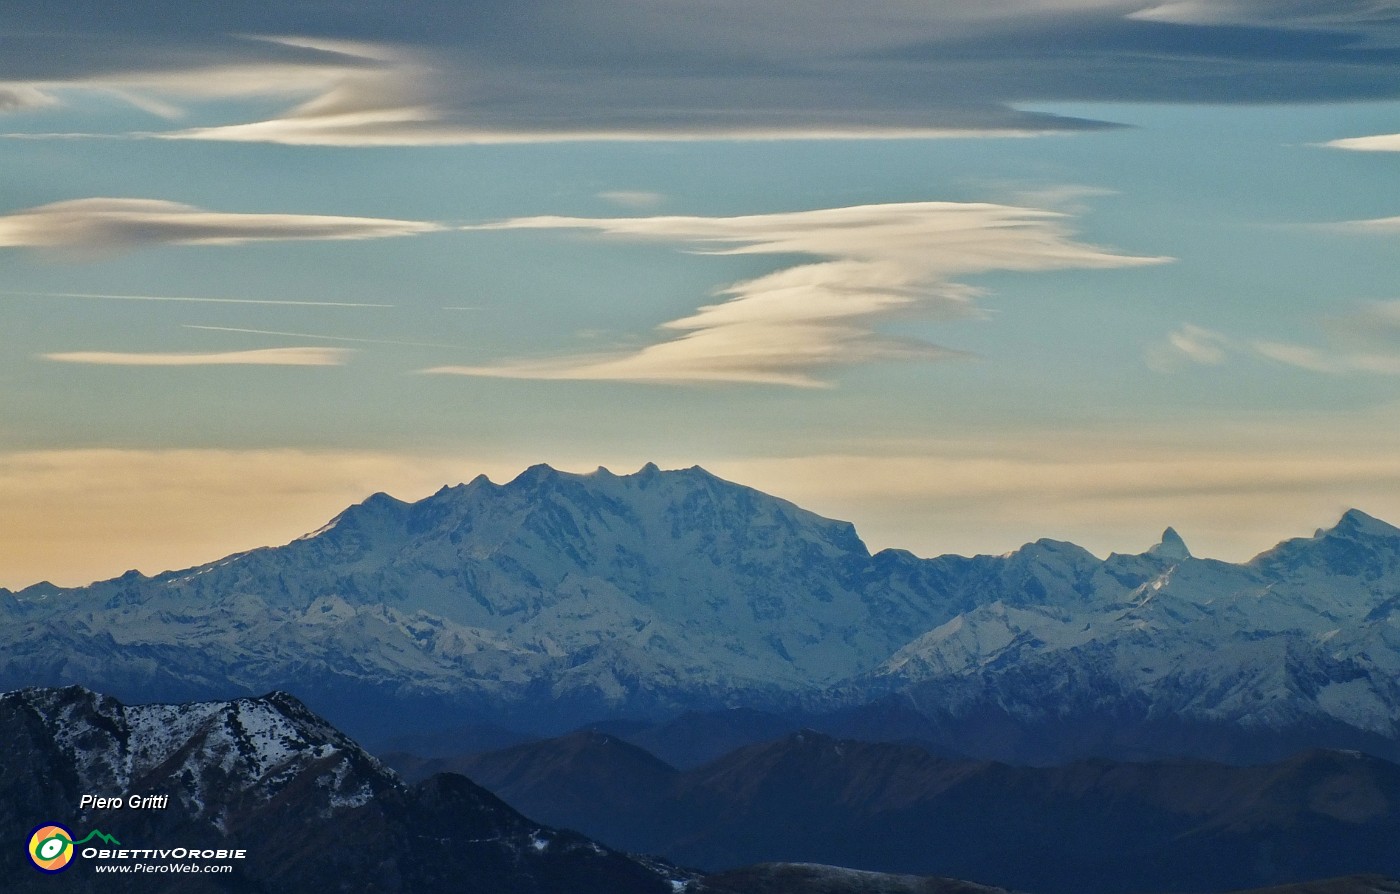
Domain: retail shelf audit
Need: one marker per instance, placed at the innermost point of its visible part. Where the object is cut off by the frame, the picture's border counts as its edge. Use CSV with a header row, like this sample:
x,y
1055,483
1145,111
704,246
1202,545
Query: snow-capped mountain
x,y
1304,639
560,598
310,809
597,593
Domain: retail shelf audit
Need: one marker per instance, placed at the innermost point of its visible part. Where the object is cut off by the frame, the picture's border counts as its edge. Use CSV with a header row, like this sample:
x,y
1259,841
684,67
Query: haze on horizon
x,y
1078,269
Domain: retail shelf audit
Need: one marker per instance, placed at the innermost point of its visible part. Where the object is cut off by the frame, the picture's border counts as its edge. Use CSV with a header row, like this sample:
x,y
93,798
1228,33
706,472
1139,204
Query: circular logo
x,y
50,847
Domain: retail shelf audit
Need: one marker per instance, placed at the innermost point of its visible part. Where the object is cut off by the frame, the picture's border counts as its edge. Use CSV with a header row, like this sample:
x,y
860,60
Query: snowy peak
x,y
1171,547
1358,546
568,597
212,757
1356,524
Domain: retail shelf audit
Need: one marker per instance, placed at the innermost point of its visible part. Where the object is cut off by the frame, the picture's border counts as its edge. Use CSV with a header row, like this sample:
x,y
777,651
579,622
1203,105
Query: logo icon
x,y
50,847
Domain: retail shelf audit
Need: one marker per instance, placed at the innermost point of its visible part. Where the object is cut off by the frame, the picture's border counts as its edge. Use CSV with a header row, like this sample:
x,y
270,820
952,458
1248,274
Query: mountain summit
x,y
1170,547
557,599
576,595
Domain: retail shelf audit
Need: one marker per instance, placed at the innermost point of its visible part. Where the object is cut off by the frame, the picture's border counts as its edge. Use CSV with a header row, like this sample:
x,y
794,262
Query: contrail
x,y
369,341
191,299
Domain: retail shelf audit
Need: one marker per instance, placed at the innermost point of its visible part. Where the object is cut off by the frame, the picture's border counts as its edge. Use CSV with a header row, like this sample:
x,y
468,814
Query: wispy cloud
x,y
1330,362
632,198
1336,14
1363,341
259,357
110,224
191,299
343,338
1389,142
621,69
1190,344
1380,225
874,262
21,96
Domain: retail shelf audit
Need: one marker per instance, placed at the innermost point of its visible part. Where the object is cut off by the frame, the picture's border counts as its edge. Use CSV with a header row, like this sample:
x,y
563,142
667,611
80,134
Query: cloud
x,y
1329,362
1191,344
1301,356
15,98
498,71
108,224
874,262
1286,13
319,337
1382,225
1363,341
632,198
1379,143
190,299
260,357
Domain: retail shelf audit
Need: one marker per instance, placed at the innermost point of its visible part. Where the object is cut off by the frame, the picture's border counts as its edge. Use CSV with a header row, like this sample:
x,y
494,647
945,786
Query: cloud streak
x,y
1378,225
499,71
1190,344
1364,341
106,224
189,299
344,338
258,357
873,263
1389,142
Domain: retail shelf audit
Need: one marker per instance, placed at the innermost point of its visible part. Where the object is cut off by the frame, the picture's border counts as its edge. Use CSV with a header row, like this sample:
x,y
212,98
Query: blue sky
x,y
966,278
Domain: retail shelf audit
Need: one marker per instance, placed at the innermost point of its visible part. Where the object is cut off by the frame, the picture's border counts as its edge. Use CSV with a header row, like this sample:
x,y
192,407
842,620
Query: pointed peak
x,y
649,470
1354,522
1171,546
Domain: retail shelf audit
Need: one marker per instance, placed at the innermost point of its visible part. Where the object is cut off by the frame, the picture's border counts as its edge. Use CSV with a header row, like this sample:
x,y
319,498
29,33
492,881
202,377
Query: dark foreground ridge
x,y
312,810
1090,827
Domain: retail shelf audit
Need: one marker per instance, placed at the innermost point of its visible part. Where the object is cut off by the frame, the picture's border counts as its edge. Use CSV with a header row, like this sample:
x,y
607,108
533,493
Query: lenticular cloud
x,y
107,224
870,263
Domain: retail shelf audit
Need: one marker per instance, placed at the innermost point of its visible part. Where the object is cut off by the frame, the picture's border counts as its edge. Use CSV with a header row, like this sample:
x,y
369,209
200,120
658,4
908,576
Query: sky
x,y
966,275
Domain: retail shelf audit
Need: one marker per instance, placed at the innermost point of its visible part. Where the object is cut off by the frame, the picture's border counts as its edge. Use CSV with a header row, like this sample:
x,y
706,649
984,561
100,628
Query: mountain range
x,y
1088,827
310,810
558,599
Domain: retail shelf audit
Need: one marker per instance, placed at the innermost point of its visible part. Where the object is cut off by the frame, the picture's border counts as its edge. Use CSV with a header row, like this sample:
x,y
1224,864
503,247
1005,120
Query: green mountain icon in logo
x,y
99,835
